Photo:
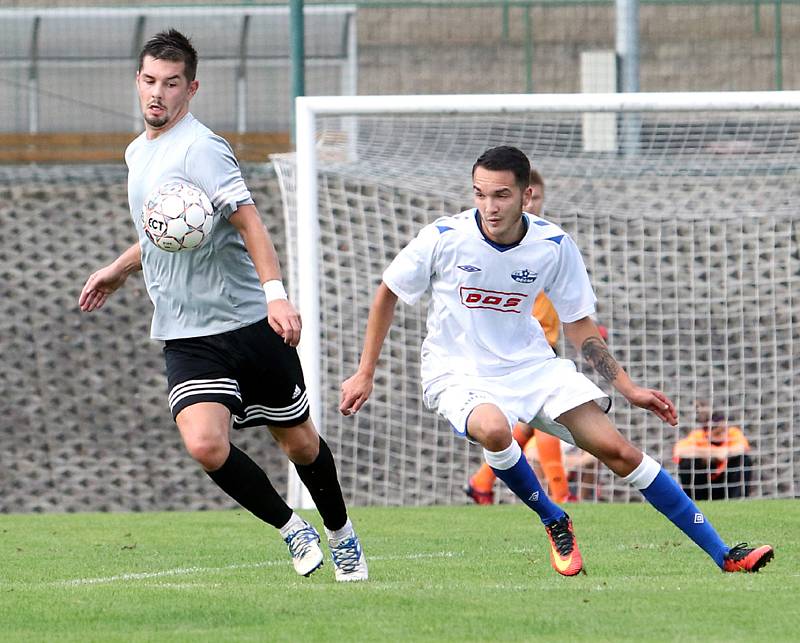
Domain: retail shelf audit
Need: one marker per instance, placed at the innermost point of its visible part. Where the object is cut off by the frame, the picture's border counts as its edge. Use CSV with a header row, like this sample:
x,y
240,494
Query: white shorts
x,y
537,396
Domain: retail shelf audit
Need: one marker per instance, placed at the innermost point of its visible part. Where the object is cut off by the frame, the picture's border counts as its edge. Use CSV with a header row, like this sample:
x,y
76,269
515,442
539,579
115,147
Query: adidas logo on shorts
x,y
297,392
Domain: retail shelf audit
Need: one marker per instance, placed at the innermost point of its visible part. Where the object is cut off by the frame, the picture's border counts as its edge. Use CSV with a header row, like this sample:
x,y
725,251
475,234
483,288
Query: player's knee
x,y
208,453
300,443
495,435
301,453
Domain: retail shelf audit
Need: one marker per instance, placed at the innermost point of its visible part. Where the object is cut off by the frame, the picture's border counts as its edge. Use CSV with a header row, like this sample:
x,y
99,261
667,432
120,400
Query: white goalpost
x,y
688,230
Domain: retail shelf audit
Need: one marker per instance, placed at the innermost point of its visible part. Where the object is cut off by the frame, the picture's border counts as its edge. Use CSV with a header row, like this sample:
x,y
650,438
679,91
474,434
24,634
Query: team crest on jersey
x,y
467,268
505,302
524,276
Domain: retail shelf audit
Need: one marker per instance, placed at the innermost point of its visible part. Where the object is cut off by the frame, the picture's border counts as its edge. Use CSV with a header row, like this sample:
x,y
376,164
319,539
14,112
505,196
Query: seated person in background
x,y
712,460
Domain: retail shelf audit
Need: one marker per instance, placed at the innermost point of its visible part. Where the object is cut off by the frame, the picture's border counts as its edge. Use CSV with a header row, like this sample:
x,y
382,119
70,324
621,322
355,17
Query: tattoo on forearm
x,y
596,353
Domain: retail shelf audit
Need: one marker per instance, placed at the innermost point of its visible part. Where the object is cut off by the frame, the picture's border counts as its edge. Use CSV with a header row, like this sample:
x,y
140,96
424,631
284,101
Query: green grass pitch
x,y
461,573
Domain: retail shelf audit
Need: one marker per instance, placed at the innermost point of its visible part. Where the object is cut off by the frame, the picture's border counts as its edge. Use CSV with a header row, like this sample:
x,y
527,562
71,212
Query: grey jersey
x,y
214,288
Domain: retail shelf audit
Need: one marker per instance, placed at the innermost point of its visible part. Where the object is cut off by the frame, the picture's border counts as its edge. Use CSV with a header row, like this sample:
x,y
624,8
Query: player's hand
x,y
99,286
355,392
285,320
655,402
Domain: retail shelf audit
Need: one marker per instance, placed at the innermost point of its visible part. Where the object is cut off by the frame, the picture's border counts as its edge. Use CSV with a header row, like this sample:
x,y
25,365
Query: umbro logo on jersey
x,y
468,268
297,392
524,276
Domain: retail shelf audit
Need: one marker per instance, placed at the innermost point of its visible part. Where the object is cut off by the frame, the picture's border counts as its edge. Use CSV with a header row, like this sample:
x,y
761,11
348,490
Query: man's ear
x,y
527,194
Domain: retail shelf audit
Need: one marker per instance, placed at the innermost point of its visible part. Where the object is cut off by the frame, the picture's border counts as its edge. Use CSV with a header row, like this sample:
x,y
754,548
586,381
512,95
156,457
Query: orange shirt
x,y
548,317
699,438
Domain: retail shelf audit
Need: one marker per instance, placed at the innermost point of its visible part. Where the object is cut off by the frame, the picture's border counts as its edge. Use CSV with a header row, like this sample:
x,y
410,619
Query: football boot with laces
x,y
564,553
741,558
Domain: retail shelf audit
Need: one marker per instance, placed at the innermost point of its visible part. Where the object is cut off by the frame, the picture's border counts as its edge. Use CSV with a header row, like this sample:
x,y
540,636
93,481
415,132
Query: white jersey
x,y
479,318
214,288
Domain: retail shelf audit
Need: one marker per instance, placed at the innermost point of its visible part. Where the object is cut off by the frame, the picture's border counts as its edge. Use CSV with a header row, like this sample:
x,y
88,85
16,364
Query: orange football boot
x,y
740,558
564,553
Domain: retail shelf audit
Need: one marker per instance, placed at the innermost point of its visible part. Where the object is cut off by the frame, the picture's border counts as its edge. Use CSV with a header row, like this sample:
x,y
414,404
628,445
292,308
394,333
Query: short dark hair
x,y
171,45
536,179
506,158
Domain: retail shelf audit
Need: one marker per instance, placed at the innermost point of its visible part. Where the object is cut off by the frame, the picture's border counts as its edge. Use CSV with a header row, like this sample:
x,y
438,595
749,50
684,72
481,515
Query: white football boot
x,y
303,543
348,559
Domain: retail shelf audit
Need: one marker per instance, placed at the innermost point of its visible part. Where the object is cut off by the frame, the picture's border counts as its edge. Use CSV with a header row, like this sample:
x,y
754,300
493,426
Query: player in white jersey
x,y
486,362
229,330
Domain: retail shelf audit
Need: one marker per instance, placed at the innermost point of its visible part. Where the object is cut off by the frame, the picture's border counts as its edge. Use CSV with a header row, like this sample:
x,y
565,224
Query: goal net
x,y
685,207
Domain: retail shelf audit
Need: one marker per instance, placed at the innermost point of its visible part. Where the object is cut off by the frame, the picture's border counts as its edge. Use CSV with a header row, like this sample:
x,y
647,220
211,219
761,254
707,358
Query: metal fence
x,y
70,69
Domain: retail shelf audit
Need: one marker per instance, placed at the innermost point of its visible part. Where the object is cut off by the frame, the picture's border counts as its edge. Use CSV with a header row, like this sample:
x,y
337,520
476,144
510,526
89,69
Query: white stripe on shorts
x,y
259,412
223,385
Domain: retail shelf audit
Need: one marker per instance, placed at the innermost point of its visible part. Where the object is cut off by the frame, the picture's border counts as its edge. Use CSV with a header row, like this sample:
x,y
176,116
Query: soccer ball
x,y
177,216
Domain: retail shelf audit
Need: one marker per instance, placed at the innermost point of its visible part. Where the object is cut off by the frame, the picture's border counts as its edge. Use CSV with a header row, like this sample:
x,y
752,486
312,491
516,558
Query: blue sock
x,y
512,468
661,491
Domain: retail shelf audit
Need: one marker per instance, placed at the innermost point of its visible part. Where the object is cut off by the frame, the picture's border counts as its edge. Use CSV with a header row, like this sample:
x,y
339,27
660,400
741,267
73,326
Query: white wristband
x,y
274,289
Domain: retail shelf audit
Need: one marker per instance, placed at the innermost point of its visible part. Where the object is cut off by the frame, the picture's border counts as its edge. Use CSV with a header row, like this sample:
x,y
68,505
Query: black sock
x,y
322,483
245,482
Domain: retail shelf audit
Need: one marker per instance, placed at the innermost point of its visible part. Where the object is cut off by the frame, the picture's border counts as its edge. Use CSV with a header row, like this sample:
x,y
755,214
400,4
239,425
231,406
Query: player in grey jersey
x,y
229,331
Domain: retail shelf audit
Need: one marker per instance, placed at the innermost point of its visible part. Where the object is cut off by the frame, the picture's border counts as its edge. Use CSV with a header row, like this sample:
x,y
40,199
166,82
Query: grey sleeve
x,y
211,165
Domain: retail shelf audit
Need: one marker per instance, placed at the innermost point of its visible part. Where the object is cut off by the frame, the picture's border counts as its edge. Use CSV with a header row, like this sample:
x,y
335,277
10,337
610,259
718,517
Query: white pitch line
x,y
185,571
180,571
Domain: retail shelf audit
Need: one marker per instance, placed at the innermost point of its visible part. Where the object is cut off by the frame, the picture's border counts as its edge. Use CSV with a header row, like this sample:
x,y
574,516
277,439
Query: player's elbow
x,y
578,331
386,294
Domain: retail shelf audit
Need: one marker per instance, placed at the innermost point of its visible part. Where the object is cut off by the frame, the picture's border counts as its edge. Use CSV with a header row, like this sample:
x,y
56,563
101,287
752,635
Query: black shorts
x,y
250,370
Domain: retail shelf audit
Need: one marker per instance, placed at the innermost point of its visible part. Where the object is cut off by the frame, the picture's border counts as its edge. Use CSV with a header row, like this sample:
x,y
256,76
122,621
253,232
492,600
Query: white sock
x,y
504,459
295,522
643,475
340,534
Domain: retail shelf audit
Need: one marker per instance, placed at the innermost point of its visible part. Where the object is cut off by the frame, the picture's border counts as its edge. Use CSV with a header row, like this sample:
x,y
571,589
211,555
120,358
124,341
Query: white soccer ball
x,y
177,216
